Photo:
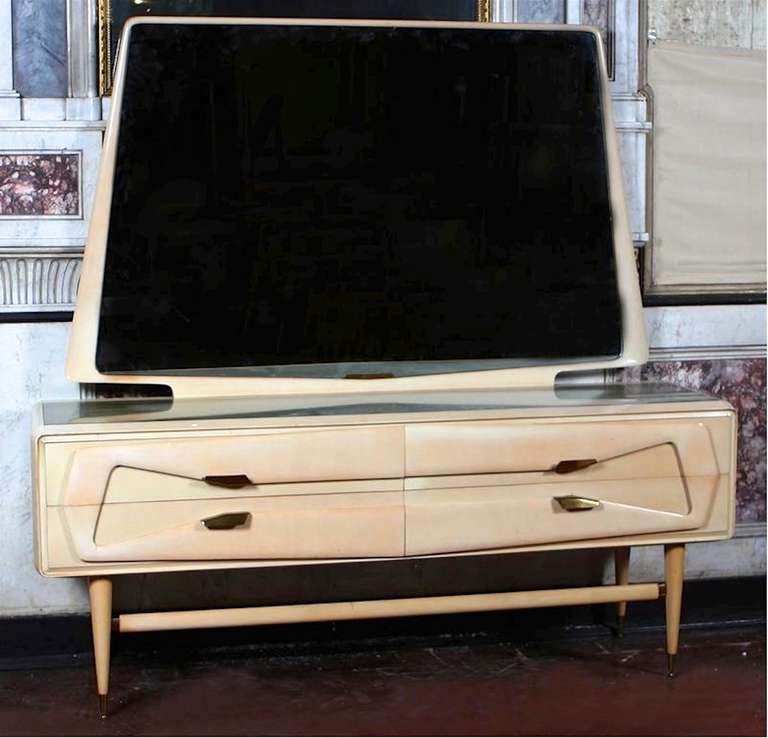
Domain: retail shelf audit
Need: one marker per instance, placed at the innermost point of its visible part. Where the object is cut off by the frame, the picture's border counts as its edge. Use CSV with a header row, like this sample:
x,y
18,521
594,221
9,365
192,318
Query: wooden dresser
x,y
140,486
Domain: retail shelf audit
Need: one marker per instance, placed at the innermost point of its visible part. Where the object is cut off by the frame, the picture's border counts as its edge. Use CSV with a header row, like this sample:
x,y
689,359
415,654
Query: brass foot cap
x,y
670,665
103,710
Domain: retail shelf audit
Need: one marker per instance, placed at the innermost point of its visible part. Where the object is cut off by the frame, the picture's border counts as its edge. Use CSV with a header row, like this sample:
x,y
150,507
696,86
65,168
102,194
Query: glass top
x,y
374,403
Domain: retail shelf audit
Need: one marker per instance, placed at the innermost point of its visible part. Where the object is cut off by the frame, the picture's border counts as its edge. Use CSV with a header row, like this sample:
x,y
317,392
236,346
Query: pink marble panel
x,y
742,383
39,184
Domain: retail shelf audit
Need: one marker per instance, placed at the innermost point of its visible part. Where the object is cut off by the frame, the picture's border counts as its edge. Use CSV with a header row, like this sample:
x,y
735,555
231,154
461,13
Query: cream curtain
x,y
709,165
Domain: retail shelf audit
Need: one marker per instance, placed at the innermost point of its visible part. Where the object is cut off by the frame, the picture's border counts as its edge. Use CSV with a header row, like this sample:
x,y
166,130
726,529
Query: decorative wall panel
x,y
40,48
601,15
541,11
36,184
31,282
47,182
742,383
708,22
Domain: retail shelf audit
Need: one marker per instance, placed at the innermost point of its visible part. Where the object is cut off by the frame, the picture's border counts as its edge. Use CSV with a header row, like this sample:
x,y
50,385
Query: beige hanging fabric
x,y
709,165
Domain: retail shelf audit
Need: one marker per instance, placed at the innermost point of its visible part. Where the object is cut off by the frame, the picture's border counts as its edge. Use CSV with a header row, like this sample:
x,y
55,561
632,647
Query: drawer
x,y
97,472
298,526
488,447
483,512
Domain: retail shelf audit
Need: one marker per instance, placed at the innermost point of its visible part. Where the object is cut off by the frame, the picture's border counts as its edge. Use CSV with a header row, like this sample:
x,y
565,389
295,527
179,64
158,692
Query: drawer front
x,y
497,517
489,447
636,493
325,526
82,475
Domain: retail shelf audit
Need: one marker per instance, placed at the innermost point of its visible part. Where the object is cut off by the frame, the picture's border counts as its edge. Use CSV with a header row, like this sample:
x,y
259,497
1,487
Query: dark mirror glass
x,y
299,195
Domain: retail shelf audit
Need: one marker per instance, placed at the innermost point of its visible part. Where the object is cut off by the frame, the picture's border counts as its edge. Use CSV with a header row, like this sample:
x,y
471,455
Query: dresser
x,y
125,487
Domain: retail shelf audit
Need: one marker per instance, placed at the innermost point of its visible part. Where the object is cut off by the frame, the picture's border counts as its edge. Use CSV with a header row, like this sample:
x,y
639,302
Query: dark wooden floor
x,y
574,686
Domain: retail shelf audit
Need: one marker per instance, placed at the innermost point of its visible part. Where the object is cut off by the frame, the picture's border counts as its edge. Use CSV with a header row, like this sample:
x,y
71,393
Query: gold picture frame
x,y
106,32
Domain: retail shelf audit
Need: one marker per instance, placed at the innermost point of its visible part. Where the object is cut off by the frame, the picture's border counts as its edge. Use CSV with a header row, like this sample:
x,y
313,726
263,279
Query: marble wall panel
x,y
541,11
31,369
47,182
758,24
742,382
703,22
40,48
601,15
39,184
596,13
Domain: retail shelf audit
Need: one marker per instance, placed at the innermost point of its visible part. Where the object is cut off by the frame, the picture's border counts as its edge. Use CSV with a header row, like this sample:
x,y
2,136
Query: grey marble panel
x,y
703,22
595,13
40,48
541,11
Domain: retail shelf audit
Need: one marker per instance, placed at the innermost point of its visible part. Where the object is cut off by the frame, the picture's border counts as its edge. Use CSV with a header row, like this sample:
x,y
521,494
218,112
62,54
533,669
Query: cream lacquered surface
x,y
127,496
82,349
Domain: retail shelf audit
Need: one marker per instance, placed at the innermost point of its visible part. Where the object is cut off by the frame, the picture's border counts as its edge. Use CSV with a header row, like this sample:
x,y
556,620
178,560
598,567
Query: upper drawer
x,y
78,474
487,447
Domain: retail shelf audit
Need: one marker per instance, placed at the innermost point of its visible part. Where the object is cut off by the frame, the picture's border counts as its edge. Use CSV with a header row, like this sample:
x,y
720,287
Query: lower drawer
x,y
476,518
325,526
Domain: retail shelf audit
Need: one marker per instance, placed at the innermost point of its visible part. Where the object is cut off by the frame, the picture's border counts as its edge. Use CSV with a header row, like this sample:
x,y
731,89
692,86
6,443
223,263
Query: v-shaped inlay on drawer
x,y
489,447
296,455
300,494
324,526
636,492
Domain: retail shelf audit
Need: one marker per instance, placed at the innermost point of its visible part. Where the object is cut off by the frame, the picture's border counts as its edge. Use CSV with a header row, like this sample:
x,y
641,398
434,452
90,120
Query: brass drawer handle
x,y
574,503
230,481
572,465
227,521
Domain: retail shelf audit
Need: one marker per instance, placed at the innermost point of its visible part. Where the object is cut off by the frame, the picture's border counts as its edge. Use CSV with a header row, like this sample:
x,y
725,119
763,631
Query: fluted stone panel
x,y
38,283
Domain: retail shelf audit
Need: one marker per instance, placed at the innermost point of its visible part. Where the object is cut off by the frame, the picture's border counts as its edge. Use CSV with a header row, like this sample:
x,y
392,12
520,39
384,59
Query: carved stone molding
x,y
35,282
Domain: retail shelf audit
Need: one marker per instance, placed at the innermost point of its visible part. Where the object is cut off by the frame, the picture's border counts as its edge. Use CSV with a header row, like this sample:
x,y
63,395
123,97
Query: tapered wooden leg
x,y
621,563
674,565
100,593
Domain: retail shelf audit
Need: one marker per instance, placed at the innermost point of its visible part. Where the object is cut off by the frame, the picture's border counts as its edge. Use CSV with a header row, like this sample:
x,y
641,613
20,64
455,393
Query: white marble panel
x,y
632,144
741,556
758,24
32,368
702,22
705,326
43,108
541,11
10,104
83,108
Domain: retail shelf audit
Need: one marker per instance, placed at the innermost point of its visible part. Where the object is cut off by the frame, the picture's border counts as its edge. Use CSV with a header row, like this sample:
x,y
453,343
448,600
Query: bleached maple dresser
x,y
125,487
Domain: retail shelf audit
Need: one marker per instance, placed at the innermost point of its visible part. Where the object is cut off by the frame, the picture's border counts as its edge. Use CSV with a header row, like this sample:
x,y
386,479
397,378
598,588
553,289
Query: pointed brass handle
x,y
572,465
230,481
227,521
574,503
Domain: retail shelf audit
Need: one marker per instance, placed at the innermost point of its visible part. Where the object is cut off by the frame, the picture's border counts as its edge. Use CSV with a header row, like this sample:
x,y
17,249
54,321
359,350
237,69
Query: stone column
x,y
10,102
